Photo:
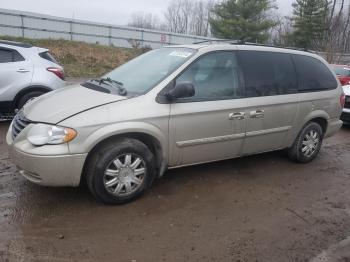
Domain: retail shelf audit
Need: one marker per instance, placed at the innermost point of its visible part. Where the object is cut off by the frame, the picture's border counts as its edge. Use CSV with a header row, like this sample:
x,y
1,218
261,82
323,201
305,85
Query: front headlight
x,y
42,134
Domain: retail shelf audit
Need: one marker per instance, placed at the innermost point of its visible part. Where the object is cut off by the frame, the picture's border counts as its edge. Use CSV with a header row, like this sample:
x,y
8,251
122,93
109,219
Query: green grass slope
x,y
82,59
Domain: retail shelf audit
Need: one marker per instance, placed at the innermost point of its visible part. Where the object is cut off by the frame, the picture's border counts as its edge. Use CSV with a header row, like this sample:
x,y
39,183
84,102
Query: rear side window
x,y
9,55
268,73
313,75
48,56
5,56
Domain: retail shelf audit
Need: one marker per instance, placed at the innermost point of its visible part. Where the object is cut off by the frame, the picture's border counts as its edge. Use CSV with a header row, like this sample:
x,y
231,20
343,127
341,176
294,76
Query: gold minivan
x,y
173,107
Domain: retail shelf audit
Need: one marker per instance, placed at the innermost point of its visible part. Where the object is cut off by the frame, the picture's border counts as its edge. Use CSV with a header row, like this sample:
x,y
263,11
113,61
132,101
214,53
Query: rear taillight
x,y
57,71
342,100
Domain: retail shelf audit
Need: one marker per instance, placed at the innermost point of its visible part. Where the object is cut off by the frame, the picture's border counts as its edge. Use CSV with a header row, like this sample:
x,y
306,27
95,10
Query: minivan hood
x,y
62,103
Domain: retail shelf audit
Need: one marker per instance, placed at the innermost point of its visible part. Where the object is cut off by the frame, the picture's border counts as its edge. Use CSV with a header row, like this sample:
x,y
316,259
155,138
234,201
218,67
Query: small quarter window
x,y
47,56
17,57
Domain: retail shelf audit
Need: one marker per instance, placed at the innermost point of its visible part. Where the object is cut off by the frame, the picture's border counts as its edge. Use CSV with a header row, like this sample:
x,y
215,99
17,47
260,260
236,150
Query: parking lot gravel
x,y
257,208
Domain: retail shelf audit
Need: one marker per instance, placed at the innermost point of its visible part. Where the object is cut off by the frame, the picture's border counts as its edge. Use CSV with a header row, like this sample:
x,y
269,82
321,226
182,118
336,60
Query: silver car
x,y
174,107
26,72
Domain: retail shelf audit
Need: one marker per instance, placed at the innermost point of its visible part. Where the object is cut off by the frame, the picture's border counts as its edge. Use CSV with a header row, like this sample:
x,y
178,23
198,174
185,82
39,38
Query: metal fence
x,y
33,25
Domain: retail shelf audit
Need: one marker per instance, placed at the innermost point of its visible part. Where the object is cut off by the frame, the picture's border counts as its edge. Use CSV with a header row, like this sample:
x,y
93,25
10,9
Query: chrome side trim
x,y
208,140
268,131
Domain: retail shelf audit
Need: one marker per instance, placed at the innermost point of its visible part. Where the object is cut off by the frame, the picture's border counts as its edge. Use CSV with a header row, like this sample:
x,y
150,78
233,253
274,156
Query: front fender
x,y
86,143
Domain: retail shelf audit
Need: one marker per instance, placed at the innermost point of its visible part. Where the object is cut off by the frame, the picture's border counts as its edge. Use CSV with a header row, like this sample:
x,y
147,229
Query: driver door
x,y
210,125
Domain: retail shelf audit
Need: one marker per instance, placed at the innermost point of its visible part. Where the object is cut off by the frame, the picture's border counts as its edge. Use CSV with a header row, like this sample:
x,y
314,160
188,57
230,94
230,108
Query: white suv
x,y
26,72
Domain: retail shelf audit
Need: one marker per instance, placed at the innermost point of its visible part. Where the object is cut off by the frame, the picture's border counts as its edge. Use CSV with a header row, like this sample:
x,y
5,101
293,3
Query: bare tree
x,y
199,18
177,16
279,34
336,37
144,20
188,17
336,40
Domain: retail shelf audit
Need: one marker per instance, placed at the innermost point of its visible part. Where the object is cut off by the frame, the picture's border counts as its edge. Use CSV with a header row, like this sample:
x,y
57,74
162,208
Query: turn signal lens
x,y
70,135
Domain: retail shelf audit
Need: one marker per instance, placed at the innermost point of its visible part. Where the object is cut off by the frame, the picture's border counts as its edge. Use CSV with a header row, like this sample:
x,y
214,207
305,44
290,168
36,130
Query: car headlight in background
x,y
43,134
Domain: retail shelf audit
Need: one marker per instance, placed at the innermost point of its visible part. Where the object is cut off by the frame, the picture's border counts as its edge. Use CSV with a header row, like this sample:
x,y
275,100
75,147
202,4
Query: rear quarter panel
x,y
321,104
42,77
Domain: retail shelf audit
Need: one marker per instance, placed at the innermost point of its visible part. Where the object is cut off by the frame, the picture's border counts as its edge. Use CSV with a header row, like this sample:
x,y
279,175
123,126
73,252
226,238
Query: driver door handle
x,y
259,113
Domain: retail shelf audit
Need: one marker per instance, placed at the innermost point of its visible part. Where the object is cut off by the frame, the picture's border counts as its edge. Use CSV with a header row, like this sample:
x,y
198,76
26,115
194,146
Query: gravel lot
x,y
259,208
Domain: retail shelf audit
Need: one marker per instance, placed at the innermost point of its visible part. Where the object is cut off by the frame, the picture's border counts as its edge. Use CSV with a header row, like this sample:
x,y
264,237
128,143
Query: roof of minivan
x,y
225,46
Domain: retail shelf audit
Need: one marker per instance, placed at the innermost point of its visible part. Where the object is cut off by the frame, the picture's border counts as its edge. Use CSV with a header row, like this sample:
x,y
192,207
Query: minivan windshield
x,y
144,72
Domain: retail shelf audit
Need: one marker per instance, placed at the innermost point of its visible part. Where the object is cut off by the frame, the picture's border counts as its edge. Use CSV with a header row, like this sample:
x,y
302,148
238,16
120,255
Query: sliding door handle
x,y
236,116
259,113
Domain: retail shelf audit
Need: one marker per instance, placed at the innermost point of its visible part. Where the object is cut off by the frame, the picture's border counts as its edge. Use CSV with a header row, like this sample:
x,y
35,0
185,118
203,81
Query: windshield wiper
x,y
108,81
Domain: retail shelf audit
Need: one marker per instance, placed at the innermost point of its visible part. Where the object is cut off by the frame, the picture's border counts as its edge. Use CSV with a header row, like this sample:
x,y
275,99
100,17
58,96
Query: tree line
x,y
320,25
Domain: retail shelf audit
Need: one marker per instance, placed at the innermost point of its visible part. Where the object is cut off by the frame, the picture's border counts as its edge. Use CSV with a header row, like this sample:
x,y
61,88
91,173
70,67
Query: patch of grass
x,y
81,59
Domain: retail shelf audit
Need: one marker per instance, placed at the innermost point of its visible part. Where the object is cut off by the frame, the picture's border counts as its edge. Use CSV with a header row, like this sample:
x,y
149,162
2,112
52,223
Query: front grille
x,y
18,124
347,102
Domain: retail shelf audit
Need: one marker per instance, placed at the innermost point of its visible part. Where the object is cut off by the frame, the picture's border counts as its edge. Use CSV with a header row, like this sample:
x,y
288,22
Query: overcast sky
x,y
106,11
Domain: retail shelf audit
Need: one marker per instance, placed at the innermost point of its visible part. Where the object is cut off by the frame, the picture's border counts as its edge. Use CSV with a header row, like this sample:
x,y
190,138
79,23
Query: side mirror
x,y
181,90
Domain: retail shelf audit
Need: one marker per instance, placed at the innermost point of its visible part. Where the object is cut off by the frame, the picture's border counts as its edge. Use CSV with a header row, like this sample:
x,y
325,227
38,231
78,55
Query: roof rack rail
x,y
13,43
241,42
219,41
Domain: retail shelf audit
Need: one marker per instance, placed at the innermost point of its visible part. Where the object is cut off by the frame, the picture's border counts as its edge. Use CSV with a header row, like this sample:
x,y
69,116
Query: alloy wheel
x,y
124,175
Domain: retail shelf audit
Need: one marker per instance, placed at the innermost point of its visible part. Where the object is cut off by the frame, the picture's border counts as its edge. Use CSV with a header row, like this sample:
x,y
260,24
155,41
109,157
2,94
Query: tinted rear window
x,y
268,73
313,75
48,56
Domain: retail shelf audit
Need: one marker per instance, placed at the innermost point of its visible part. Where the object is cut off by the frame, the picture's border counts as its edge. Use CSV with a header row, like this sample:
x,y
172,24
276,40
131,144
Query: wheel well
x,y
151,142
27,90
322,122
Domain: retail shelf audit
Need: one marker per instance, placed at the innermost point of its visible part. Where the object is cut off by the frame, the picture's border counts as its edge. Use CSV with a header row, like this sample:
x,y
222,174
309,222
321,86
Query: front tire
x,y
120,171
308,144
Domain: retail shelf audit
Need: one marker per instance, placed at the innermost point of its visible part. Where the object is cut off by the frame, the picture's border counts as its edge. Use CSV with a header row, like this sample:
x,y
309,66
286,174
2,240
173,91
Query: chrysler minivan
x,y
174,107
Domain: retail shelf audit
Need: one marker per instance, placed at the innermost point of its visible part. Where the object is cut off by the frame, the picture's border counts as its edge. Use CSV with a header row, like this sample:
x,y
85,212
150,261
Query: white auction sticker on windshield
x,y
183,54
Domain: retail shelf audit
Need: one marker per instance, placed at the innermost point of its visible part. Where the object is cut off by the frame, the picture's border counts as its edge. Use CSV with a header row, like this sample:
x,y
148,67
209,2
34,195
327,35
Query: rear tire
x,y
308,144
27,97
120,171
